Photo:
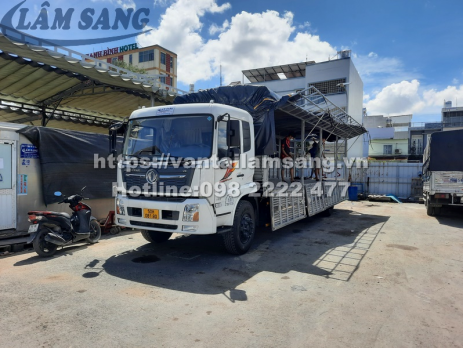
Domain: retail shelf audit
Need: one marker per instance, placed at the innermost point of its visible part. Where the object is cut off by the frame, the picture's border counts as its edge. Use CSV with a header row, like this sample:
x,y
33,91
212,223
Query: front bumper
x,y
170,216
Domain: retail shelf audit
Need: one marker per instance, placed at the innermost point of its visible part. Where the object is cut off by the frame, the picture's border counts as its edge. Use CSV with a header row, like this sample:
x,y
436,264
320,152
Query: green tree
x,y
124,65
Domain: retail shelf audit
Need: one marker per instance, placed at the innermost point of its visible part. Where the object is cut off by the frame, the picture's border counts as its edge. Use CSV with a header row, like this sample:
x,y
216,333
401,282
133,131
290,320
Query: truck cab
x,y
184,170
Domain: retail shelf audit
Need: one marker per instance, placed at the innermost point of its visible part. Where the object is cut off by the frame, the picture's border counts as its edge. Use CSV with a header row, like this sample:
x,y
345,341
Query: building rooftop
x,y
279,72
387,121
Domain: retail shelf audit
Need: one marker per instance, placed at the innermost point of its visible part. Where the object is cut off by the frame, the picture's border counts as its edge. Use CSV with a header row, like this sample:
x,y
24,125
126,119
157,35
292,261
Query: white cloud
x,y
436,98
162,3
250,40
408,97
455,81
214,28
304,25
125,4
396,99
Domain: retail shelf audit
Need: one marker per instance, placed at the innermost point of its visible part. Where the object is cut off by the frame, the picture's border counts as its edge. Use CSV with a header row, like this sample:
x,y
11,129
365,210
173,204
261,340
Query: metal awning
x,y
318,112
276,72
60,82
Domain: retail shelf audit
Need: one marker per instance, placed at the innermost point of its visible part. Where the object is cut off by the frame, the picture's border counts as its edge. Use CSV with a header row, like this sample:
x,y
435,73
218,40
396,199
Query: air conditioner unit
x,y
398,151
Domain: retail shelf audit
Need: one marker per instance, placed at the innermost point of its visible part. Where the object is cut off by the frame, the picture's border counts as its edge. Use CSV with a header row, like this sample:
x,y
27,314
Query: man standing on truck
x,y
313,153
321,156
286,153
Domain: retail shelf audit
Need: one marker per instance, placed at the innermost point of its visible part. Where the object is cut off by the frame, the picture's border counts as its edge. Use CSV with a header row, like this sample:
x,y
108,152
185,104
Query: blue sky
x,y
408,52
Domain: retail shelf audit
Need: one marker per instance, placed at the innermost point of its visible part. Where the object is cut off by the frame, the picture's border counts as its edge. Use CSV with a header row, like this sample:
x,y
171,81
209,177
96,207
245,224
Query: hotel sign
x,y
114,50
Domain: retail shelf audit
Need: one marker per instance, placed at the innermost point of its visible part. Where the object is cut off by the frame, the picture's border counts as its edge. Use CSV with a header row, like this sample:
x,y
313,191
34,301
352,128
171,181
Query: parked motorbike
x,y
51,229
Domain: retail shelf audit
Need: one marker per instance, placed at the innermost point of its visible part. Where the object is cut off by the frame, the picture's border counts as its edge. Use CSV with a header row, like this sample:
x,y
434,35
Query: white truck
x,y
443,171
195,167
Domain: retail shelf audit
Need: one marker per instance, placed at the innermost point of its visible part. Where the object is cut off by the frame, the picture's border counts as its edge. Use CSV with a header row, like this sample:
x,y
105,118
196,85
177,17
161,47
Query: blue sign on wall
x,y
29,151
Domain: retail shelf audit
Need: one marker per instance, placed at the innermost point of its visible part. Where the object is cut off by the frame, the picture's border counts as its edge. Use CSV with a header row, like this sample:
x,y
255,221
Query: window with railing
x,y
330,86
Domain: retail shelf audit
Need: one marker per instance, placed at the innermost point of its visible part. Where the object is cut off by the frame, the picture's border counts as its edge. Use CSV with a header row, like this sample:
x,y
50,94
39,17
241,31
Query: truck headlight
x,y
120,209
191,213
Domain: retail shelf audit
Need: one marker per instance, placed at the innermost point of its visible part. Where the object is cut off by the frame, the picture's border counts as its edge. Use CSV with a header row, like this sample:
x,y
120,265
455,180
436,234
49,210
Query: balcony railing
x,y
452,124
426,125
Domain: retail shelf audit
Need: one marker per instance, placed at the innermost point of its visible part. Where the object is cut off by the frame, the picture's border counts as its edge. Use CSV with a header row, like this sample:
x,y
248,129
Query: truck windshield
x,y
177,136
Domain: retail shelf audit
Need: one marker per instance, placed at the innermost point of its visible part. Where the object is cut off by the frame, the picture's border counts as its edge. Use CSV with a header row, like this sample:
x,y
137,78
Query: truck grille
x,y
150,224
157,198
173,177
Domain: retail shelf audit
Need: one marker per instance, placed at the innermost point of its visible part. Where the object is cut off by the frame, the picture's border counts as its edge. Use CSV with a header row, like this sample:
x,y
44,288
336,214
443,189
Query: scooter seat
x,y
45,213
66,215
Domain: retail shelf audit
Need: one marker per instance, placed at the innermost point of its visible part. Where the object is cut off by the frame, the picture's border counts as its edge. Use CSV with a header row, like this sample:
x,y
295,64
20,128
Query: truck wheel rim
x,y
246,228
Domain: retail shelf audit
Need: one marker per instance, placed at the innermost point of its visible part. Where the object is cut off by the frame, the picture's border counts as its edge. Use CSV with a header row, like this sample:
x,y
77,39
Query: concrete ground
x,y
371,275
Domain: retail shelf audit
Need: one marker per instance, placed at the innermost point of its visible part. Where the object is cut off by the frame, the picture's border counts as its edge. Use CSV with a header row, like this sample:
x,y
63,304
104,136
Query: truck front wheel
x,y
155,236
239,239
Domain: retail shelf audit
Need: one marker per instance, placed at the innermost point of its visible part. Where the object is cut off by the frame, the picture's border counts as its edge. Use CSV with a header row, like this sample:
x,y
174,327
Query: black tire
x,y
327,212
95,232
155,236
42,247
433,211
239,239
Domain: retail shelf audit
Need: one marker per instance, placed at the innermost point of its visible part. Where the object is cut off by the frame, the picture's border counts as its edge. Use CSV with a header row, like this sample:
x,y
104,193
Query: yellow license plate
x,y
151,214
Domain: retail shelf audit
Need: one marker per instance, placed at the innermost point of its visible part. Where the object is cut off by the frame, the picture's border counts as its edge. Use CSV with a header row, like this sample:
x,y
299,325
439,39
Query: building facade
x,y
388,138
452,117
155,60
337,79
419,138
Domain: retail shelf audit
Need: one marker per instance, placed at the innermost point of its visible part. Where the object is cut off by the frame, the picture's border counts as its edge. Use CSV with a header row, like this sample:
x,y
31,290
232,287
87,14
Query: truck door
x,y
7,185
225,173
237,178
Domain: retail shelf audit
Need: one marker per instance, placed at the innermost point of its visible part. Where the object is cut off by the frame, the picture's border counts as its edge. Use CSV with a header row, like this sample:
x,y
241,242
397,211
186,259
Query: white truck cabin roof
x,y
214,109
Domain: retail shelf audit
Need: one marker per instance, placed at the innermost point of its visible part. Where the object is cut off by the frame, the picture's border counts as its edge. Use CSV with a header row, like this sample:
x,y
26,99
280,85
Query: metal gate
x,y
7,185
286,209
325,197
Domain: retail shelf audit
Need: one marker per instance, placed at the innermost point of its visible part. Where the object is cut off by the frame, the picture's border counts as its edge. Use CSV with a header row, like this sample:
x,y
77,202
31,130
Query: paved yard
x,y
371,275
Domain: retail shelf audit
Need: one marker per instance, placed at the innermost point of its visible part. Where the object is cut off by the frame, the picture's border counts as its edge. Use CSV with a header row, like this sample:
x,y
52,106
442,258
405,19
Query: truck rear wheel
x,y
239,239
327,212
433,211
155,236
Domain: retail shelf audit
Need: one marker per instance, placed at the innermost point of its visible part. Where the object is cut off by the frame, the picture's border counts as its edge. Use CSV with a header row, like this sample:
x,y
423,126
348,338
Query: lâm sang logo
x,y
64,18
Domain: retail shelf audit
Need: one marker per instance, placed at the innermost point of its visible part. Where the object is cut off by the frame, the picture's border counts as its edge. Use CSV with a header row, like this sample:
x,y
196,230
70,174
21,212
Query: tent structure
x,y
48,86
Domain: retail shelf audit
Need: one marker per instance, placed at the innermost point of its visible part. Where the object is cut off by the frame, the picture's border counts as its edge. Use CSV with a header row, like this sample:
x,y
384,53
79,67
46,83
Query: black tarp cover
x,y
67,162
444,152
259,101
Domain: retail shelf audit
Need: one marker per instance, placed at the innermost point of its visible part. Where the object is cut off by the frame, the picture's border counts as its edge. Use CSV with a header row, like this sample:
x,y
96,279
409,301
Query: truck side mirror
x,y
234,136
115,129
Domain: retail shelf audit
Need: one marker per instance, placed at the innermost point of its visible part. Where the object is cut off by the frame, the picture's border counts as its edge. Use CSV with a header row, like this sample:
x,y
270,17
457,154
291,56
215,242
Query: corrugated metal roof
x,y
46,78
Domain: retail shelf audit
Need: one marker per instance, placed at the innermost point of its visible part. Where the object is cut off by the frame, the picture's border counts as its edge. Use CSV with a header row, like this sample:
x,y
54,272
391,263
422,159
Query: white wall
x,y
355,106
283,87
330,70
